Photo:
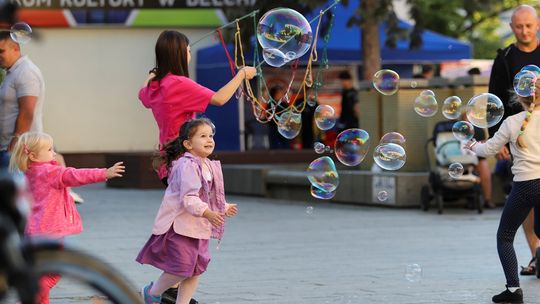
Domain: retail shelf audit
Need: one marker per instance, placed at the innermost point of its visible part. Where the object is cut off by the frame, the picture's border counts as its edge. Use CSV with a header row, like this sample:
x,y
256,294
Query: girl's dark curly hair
x,y
175,148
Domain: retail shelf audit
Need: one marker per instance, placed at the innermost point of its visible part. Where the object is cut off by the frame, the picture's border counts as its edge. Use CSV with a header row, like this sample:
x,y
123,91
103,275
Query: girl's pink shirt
x,y
174,100
188,196
53,211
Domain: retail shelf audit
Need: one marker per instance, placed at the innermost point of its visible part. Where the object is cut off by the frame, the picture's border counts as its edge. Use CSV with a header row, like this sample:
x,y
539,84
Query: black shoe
x,y
509,297
537,270
169,297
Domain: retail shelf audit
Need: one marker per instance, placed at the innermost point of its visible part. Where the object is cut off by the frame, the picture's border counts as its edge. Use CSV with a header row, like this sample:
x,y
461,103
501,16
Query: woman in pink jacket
x,y
191,212
172,96
53,212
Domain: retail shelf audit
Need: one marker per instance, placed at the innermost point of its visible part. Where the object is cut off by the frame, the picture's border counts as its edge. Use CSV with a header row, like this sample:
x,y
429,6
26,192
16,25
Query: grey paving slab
x,y
275,251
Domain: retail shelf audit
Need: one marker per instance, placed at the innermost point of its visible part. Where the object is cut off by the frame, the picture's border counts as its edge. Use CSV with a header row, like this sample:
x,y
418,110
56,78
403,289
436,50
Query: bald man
x,y
509,61
21,96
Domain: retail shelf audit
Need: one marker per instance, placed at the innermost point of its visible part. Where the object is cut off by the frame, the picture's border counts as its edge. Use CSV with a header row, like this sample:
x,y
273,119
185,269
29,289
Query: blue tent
x,y
344,47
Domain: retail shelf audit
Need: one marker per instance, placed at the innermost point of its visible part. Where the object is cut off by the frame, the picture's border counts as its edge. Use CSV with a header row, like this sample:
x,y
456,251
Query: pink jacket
x,y
173,100
188,196
53,211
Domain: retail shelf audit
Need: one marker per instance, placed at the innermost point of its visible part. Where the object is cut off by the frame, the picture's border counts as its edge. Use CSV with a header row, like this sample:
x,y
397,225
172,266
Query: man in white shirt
x,y
21,96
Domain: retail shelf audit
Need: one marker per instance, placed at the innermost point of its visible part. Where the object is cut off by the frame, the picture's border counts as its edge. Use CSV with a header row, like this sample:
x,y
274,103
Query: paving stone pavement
x,y
277,251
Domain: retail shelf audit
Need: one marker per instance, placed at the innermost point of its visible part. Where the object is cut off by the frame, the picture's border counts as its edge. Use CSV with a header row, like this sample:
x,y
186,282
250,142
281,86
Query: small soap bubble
x,y
389,156
322,174
455,170
382,196
325,117
319,148
21,32
426,105
352,146
427,92
413,273
309,210
321,194
463,130
452,107
386,82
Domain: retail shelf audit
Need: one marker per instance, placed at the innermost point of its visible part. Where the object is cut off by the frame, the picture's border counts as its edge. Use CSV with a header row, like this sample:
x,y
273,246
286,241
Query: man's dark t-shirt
x,y
348,119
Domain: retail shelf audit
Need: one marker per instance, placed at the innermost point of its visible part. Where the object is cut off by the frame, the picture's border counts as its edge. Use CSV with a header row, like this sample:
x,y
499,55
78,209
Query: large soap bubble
x,y
322,174
451,108
285,34
386,82
21,32
352,146
390,156
485,110
289,124
325,117
426,105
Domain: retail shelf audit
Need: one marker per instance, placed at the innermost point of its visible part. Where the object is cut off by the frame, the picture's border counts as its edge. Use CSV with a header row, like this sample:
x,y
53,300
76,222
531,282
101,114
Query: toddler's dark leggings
x,y
524,196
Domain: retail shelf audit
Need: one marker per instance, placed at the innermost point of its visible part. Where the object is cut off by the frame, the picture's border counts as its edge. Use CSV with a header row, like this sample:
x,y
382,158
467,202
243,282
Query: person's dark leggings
x,y
523,196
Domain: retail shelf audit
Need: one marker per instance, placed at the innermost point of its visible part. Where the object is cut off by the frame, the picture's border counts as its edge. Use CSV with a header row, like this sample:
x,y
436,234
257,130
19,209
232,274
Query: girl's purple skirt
x,y
176,254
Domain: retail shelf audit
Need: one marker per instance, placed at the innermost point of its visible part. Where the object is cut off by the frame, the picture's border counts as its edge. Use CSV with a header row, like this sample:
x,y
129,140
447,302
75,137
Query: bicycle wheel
x,y
84,277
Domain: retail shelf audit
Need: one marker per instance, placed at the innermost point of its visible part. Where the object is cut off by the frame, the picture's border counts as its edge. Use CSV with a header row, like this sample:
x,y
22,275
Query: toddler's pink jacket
x,y
53,211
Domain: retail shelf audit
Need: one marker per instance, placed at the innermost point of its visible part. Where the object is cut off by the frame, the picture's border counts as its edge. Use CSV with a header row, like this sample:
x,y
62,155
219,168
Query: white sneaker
x,y
77,198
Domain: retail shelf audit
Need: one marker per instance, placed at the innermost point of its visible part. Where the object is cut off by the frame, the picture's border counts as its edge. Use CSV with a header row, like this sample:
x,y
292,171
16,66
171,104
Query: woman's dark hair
x,y
175,148
171,54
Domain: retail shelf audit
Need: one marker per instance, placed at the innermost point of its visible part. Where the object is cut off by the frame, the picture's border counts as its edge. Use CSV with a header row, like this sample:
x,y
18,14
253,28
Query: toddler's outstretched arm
x,y
115,170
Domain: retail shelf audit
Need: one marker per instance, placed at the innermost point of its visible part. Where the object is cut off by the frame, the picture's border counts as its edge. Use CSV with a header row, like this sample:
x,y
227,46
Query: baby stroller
x,y
442,187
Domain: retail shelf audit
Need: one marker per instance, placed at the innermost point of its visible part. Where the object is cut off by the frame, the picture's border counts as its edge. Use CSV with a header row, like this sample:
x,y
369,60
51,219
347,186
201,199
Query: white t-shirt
x,y
526,161
23,79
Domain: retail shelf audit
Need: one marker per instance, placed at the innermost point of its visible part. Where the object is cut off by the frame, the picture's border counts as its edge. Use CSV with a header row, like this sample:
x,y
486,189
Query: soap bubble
x,y
455,170
452,107
321,194
309,210
352,146
427,92
463,130
319,148
21,32
289,124
414,84
274,57
426,105
390,156
532,68
485,110
322,174
382,196
284,30
324,116
394,138
386,82
413,273
524,83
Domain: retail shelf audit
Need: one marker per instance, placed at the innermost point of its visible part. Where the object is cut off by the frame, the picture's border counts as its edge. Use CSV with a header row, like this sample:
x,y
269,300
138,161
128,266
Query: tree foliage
x,y
475,21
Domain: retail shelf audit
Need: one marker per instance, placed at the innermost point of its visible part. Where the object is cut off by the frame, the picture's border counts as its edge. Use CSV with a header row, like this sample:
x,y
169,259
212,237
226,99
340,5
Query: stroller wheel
x,y
425,197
